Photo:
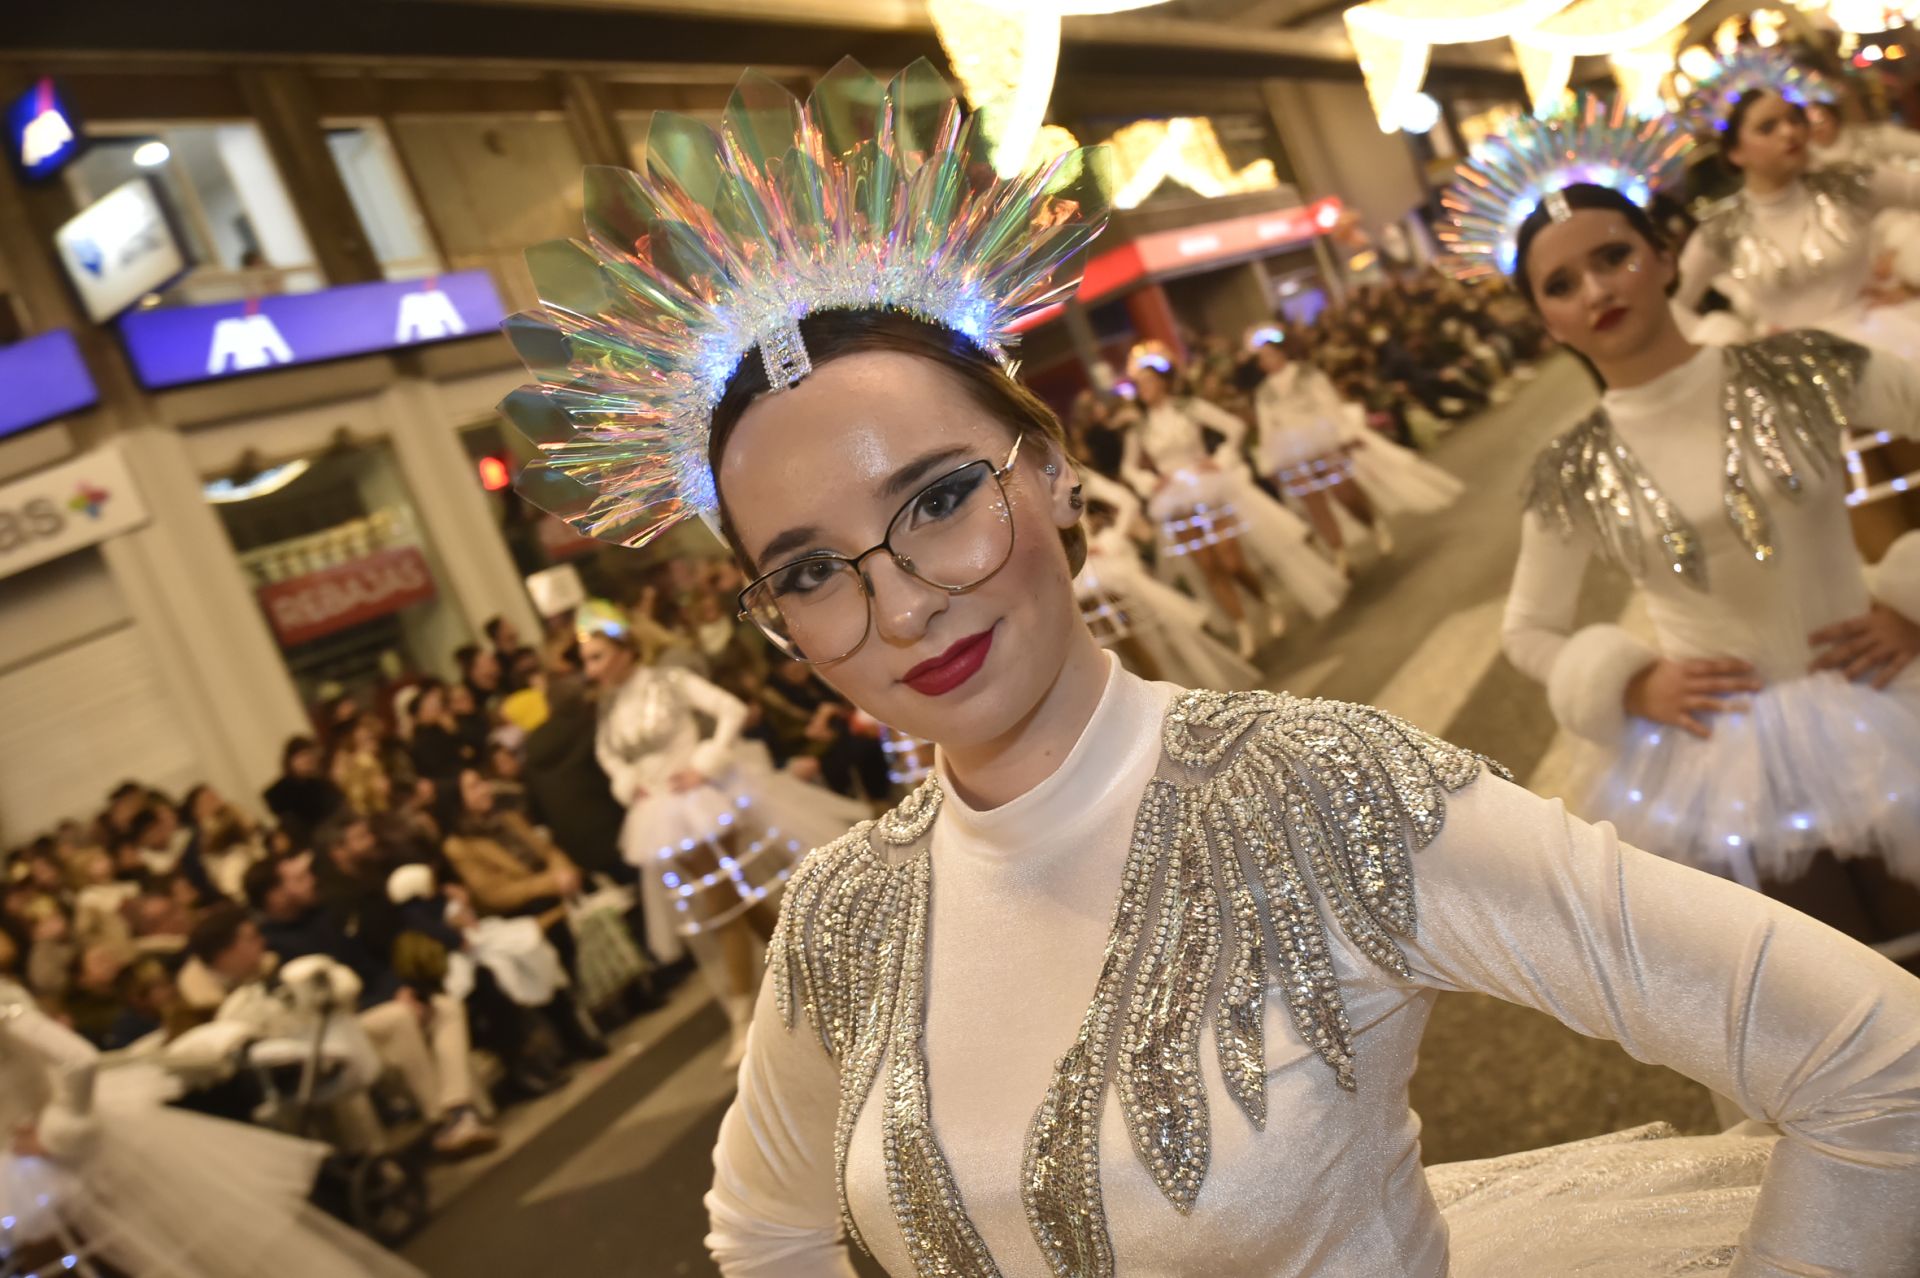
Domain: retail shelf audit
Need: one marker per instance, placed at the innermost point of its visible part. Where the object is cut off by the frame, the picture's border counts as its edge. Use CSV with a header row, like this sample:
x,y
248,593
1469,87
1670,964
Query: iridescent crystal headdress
x,y
867,196
1747,68
1508,176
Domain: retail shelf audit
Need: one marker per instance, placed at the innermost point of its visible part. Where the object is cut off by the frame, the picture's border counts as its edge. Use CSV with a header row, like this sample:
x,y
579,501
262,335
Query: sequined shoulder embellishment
x,y
1785,402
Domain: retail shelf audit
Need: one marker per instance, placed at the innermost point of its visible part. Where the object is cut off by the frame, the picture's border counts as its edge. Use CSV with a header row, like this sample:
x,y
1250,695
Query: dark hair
x,y
492,629
1743,106
832,334
334,832
464,656
217,930
122,790
295,745
258,883
1581,195
143,820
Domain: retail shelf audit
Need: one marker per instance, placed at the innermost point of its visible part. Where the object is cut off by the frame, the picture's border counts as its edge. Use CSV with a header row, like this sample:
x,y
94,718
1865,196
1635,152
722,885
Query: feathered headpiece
x,y
867,196
1709,99
1507,177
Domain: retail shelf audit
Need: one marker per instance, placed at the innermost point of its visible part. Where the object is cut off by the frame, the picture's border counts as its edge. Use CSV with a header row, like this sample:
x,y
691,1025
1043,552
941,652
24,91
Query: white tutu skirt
x,y
1643,1203
1815,763
162,1193
1123,601
1298,444
1398,481
709,855
1277,548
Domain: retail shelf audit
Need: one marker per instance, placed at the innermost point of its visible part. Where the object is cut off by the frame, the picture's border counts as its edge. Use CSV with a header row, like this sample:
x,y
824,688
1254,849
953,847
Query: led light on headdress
x,y
1508,176
1151,354
601,617
1264,335
1741,72
868,196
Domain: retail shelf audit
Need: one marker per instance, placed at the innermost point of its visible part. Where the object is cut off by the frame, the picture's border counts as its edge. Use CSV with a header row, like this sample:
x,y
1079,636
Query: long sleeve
x,y
1888,396
1134,469
774,1206
1894,185
1699,263
65,1125
1796,1023
1215,418
729,715
1585,672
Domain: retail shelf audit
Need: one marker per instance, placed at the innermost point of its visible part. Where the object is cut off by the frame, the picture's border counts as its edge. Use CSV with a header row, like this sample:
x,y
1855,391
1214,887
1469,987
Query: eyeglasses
x,y
953,534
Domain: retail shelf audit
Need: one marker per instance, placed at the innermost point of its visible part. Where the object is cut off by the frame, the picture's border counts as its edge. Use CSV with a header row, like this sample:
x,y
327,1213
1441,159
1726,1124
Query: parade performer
x,y
1136,982
1771,733
713,829
101,1178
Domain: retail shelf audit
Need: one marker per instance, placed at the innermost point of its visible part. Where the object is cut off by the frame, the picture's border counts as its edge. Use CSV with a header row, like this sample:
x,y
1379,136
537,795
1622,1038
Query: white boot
x,y
1243,632
740,1015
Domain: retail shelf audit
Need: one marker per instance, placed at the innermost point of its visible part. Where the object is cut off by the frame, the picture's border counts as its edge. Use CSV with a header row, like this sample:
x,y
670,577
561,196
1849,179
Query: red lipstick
x,y
940,675
1610,319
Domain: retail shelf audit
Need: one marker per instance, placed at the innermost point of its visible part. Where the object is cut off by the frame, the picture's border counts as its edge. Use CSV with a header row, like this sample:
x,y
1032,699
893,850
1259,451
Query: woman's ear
x,y
1064,501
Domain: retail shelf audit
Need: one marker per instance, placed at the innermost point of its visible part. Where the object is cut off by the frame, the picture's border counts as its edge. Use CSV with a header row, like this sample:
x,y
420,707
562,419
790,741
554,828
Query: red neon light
x,y
493,474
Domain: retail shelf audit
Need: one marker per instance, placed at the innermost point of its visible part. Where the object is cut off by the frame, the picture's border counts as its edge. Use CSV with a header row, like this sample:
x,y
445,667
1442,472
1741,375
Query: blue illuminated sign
x,y
42,134
172,346
44,378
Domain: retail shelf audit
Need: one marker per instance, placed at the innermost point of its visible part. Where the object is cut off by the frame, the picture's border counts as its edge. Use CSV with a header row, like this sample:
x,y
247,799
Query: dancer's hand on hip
x,y
1685,693
1875,646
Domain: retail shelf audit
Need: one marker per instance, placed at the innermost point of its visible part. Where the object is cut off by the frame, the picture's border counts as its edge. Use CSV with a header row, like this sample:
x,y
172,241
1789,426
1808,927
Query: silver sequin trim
x,y
1785,403
1264,809
1842,209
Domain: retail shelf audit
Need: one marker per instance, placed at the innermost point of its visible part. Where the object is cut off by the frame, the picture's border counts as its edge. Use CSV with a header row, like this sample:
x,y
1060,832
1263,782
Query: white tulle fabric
x,y
159,1192
1816,762
649,731
1166,624
1794,1022
1397,480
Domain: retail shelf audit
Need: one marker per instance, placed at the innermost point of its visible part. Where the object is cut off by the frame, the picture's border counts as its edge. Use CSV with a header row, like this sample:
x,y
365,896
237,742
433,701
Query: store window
x,y
349,585
383,199
226,200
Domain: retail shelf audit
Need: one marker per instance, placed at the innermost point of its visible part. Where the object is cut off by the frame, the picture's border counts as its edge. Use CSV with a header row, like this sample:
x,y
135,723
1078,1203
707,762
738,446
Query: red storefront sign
x,y
319,603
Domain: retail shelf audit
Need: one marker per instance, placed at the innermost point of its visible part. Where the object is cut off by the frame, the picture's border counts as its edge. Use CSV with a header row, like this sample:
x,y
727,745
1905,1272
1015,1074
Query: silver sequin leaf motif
x,y
1785,403
1842,209
1265,810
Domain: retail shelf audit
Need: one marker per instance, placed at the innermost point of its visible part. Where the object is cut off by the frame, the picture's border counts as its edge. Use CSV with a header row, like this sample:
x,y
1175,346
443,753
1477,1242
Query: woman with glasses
x,y
1136,982
712,828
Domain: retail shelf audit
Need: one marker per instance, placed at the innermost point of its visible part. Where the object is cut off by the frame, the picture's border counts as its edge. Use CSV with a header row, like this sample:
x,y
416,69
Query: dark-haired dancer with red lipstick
x,y
1771,733
1134,984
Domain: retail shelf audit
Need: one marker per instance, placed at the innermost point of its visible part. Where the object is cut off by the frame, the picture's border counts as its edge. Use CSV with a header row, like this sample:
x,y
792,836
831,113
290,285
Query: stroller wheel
x,y
386,1198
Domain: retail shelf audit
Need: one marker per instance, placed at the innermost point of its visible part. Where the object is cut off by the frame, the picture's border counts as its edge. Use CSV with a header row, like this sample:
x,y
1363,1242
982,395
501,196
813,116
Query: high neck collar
x,y
1662,392
1779,198
1117,750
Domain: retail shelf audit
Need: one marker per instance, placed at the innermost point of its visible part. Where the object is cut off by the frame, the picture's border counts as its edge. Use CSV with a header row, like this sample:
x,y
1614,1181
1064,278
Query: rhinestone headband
x,y
1508,176
868,196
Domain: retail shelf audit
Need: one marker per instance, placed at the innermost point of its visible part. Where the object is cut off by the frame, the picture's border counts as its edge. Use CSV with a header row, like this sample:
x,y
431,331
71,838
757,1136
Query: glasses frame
x,y
902,562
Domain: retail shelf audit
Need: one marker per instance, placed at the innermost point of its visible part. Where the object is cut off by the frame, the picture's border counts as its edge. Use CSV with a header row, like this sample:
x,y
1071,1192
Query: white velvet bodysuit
x,y
1513,898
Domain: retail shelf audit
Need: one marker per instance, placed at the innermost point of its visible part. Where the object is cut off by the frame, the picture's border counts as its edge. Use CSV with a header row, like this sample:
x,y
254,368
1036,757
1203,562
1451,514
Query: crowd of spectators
x,y
397,838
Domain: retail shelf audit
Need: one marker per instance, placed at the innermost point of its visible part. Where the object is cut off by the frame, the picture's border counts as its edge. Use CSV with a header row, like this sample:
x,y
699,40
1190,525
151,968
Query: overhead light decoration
x,y
1149,153
1422,112
1005,53
1394,39
151,155
261,484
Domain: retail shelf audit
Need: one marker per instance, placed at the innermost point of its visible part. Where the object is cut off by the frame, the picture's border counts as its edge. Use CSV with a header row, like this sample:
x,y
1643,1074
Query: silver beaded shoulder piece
x,y
1267,813
1786,402
1842,211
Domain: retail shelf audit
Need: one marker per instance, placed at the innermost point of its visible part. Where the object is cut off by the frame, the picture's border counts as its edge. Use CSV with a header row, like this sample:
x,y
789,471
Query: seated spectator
x,y
359,767
127,799
424,1040
95,1001
149,1006
525,707
303,798
225,951
99,907
50,961
512,869
160,924
511,654
483,673
472,723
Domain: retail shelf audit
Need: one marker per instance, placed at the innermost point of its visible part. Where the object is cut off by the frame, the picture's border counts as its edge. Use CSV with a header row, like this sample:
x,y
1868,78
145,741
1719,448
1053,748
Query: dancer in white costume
x,y
1797,241
713,829
1136,984
1300,446
1213,518
1138,616
1772,733
99,1176
1837,144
